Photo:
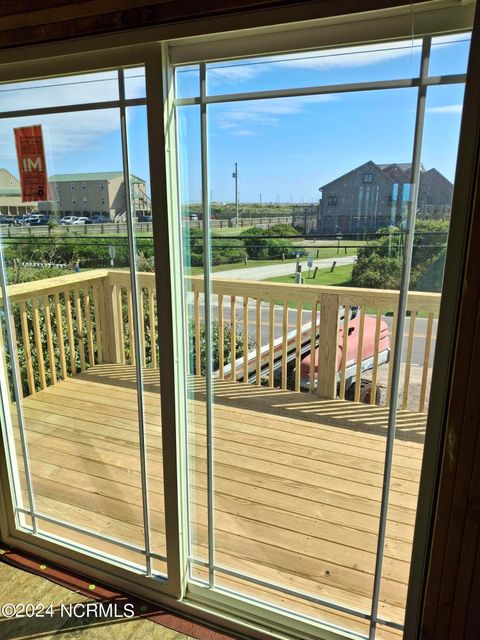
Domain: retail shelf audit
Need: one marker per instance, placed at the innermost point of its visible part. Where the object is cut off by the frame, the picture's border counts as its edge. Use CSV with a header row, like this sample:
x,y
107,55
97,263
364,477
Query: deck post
x,y
328,346
111,325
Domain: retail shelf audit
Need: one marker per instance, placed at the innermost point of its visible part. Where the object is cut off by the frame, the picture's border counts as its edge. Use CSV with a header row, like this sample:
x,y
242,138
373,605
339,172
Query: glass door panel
x,y
79,330
311,383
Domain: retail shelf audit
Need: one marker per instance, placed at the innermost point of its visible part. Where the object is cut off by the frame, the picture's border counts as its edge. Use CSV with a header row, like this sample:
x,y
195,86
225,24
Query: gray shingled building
x,y
377,195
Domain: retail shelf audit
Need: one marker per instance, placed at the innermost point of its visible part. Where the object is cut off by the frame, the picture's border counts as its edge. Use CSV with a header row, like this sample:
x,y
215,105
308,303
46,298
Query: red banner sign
x,y
31,163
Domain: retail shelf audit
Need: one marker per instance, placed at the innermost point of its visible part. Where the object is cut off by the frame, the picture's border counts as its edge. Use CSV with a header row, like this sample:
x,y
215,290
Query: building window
x,y
390,201
102,186
103,200
74,201
332,201
85,199
72,186
368,177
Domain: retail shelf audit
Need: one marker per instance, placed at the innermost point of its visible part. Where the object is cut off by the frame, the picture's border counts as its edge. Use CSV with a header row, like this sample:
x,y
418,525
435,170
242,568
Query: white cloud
x,y
243,116
67,133
448,108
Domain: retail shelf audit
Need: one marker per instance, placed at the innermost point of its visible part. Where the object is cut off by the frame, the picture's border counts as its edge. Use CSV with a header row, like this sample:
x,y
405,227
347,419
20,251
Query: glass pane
x,y
79,339
449,54
384,61
439,156
56,92
187,81
188,123
135,82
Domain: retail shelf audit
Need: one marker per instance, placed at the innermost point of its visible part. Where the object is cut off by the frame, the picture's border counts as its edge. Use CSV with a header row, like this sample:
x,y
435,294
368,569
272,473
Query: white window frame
x,y
231,611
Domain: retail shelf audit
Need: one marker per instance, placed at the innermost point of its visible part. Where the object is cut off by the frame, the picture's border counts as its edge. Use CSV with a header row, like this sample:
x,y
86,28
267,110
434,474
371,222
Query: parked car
x,y
7,220
21,220
98,219
80,220
68,220
39,221
144,218
194,217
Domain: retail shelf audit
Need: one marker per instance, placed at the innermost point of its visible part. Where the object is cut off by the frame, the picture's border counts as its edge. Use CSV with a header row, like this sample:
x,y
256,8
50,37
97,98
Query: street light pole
x,y
235,177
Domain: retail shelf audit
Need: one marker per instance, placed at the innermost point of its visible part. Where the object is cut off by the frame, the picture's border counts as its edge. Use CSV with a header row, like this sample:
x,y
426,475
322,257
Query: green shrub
x,y
223,250
260,244
227,341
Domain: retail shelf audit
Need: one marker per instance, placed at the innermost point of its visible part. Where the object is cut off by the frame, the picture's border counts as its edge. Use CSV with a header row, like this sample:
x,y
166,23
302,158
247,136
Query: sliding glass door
x,y
220,288
311,321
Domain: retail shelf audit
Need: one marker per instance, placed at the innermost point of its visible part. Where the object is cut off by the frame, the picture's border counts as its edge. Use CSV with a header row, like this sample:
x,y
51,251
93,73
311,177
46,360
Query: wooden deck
x,y
297,484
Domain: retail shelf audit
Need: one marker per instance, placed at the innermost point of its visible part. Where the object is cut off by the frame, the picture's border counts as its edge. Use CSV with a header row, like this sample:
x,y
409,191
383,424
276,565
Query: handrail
x,y
68,323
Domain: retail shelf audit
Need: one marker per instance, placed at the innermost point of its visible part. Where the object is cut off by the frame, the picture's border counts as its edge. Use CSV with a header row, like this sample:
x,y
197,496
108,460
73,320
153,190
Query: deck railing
x,y
66,324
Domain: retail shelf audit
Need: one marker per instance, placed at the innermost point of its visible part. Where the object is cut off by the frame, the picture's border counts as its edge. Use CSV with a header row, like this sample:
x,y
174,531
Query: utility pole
x,y
235,177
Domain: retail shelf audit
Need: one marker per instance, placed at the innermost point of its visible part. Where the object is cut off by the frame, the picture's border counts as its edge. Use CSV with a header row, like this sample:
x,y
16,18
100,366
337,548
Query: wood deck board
x,y
298,481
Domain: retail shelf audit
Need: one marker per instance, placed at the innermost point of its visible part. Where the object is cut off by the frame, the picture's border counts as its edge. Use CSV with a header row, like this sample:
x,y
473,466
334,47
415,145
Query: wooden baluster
x,y
271,341
151,318
358,373
376,350
15,347
98,324
233,337
141,321
411,335
131,328
298,347
80,332
221,341
313,340
71,339
26,346
88,324
38,344
392,356
328,347
283,383
426,359
121,322
245,340
61,345
343,369
51,351
258,346
198,346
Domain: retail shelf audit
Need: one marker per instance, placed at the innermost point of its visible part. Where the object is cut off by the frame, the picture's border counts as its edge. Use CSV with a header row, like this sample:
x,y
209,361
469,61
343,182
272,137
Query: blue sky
x,y
285,148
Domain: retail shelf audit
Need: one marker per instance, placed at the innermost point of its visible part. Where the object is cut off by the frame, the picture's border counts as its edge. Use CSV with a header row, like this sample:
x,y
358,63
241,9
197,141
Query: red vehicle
x,y
368,355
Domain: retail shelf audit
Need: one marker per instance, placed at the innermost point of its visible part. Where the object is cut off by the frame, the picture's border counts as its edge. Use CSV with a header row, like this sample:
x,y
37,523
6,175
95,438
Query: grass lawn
x,y
340,277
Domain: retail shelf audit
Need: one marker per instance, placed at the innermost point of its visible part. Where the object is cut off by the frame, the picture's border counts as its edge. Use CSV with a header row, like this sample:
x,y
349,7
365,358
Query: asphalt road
x,y
282,269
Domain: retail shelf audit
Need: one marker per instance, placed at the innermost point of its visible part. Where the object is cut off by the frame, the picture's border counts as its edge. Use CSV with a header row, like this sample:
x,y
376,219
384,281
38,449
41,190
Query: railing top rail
x,y
48,286
314,293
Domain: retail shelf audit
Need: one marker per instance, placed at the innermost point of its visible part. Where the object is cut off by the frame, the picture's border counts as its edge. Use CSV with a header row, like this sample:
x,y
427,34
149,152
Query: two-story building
x,y
11,196
378,195
86,194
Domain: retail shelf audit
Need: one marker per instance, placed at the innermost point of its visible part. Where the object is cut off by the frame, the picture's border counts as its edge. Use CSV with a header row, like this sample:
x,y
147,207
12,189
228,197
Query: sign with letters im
x,y
31,163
